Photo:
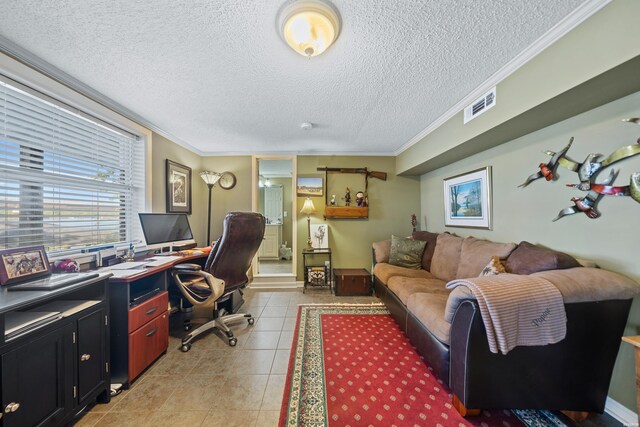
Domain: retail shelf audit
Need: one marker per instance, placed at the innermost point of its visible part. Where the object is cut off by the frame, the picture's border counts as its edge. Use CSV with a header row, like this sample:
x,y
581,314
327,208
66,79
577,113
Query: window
x,y
67,180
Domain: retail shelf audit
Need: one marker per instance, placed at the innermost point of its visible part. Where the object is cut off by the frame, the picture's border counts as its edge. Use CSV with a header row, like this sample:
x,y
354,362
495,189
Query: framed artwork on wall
x,y
319,236
23,263
310,186
178,187
467,199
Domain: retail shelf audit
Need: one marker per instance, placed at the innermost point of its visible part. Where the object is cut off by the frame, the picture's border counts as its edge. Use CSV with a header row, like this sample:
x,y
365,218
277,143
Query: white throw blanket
x,y
517,310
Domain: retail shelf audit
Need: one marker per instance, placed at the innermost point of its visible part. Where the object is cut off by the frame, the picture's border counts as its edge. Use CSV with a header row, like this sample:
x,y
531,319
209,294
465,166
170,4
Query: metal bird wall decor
x,y
588,171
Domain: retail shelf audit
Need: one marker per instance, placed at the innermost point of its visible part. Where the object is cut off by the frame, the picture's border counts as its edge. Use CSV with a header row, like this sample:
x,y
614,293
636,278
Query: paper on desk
x,y
117,274
126,266
157,261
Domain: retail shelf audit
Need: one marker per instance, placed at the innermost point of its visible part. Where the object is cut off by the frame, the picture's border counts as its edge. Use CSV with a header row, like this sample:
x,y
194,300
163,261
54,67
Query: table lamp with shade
x,y
308,209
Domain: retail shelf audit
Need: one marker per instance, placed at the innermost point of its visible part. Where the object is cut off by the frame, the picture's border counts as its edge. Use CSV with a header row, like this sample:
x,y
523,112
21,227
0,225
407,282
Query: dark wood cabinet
x,y
52,372
352,281
37,380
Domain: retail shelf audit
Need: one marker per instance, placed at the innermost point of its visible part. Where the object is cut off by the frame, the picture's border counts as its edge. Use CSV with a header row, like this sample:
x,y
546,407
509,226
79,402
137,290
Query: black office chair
x,y
218,285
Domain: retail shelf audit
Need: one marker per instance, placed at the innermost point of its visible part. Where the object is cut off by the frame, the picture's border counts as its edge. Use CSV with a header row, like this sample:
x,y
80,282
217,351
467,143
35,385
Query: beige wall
x,y
391,204
526,214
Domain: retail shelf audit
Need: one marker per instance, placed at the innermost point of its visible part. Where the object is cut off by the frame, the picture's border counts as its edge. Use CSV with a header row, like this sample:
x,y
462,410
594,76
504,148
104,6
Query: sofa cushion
x,y
381,250
406,252
384,272
476,254
429,308
403,287
431,239
446,257
528,258
494,268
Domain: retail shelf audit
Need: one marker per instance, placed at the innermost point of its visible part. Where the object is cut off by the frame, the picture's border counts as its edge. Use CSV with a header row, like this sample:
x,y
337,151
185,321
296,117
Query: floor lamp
x,y
308,209
210,178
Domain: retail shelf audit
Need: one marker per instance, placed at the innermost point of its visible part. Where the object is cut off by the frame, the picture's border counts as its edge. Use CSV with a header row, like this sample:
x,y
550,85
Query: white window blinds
x,y
66,181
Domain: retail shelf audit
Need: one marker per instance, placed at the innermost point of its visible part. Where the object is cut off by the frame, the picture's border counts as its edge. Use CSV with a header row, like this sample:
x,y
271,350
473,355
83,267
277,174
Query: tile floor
x,y
217,385
214,384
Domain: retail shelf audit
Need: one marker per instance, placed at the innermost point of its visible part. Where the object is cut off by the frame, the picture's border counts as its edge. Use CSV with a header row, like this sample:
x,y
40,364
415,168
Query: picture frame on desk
x,y
20,264
178,187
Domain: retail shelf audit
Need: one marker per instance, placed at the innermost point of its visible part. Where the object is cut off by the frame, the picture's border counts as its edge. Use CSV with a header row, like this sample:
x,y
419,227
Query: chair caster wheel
x,y
229,334
187,327
233,342
185,347
251,320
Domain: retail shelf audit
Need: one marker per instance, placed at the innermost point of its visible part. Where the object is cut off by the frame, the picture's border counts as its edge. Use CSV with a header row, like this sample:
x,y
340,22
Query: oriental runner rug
x,y
351,365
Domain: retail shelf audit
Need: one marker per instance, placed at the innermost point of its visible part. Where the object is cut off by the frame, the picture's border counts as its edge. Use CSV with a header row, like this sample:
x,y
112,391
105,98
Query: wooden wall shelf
x,y
346,212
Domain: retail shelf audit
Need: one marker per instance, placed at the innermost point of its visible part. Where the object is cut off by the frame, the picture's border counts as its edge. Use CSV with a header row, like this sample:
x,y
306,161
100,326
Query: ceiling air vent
x,y
480,106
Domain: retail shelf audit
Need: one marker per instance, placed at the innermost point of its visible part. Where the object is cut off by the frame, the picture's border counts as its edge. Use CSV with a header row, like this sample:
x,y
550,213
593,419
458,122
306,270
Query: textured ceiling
x,y
215,75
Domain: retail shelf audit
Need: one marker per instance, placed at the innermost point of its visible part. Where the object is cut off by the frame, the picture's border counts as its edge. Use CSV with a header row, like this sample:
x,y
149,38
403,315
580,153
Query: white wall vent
x,y
480,105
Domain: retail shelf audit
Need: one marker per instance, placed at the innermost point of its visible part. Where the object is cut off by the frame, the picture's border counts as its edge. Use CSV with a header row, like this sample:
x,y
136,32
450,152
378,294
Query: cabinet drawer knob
x,y
151,332
152,310
12,407
85,357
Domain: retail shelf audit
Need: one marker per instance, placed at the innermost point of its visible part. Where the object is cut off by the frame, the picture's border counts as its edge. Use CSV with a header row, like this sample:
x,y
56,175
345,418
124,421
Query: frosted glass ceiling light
x,y
310,26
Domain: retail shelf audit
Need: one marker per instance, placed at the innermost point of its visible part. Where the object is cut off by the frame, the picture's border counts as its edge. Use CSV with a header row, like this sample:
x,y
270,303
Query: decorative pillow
x,y
494,268
381,250
528,258
431,239
406,252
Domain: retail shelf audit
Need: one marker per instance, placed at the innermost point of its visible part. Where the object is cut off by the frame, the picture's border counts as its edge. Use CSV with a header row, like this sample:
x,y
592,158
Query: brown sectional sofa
x,y
447,329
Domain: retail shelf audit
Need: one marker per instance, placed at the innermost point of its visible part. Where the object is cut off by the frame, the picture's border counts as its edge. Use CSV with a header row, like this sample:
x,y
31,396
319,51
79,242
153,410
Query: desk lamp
x,y
308,209
210,178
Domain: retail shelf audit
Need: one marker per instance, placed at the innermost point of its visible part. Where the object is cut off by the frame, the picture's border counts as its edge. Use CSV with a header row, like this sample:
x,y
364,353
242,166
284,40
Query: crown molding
x,y
571,21
49,70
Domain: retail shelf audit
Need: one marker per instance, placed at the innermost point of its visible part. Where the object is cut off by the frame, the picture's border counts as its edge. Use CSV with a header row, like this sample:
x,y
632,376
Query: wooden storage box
x,y
352,281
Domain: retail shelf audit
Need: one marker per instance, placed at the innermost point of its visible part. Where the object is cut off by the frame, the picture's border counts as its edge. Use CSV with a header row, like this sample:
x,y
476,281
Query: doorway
x,y
274,197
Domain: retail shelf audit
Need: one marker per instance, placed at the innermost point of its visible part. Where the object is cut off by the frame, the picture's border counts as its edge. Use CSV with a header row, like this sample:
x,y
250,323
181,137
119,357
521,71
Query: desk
x,y
140,329
51,373
635,341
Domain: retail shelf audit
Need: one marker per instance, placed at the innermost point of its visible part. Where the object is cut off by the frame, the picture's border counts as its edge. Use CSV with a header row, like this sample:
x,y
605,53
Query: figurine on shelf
x,y
360,199
347,197
414,221
333,200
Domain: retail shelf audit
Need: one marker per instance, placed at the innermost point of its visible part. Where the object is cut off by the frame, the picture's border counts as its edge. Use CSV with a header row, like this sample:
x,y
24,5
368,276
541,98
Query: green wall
x,y
391,204
162,149
613,240
543,91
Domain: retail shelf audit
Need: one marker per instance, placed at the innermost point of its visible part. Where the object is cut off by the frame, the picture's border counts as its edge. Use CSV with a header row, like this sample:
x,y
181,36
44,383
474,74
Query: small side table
x,y
352,281
317,272
635,341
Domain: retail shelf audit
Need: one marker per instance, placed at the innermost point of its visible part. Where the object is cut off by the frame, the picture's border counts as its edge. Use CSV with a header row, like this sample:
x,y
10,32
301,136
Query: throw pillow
x,y
381,250
406,252
446,257
494,268
528,258
431,239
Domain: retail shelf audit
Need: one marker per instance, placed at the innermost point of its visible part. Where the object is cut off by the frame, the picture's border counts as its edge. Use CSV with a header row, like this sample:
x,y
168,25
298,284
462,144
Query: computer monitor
x,y
165,229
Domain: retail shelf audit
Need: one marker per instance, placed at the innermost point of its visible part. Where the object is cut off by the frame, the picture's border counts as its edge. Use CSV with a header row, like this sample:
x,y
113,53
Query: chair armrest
x,y
187,267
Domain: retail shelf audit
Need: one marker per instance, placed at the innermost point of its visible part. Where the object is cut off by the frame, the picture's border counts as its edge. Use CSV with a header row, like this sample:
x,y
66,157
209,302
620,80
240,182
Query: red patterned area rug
x,y
351,365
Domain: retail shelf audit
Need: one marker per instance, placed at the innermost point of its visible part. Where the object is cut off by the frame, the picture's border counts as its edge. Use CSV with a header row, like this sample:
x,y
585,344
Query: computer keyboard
x,y
54,281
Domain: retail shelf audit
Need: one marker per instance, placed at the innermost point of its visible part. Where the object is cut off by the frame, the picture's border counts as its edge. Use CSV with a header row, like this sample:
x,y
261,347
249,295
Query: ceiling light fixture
x,y
309,26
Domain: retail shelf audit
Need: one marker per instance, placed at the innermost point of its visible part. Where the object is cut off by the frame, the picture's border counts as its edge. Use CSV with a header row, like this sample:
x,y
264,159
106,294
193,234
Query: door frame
x,y
276,280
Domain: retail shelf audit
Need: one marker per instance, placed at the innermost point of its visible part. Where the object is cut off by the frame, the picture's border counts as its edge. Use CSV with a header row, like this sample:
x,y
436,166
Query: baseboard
x,y
621,413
